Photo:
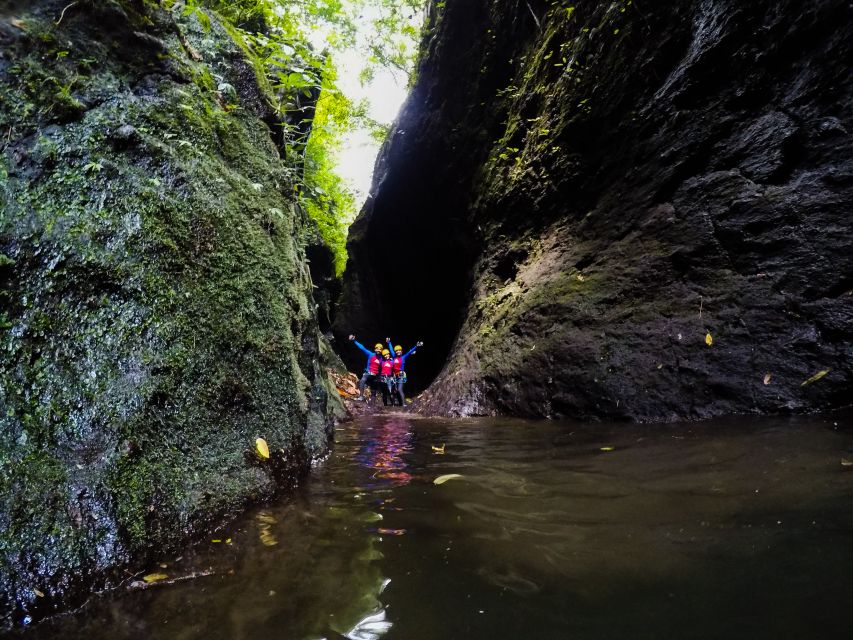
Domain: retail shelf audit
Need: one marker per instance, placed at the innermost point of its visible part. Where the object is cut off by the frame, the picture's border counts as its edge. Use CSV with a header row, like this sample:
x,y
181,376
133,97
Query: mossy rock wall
x,y
156,310
606,187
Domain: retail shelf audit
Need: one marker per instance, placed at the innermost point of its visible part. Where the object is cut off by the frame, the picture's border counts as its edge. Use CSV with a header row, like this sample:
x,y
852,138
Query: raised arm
x,y
361,346
390,345
413,349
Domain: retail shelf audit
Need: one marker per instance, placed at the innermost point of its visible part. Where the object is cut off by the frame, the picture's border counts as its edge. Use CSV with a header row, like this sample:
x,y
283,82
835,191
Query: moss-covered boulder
x,y
156,310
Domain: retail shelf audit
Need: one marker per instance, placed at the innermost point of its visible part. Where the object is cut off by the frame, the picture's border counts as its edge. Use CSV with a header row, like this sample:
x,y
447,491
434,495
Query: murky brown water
x,y
735,529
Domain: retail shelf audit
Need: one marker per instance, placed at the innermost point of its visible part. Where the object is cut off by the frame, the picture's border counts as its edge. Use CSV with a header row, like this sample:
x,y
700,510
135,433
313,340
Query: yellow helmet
x,y
385,352
378,345
398,348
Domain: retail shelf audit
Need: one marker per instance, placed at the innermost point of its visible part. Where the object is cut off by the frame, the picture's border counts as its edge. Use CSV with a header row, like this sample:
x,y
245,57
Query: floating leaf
x,y
41,595
262,448
608,448
438,450
446,477
708,339
216,540
767,377
815,377
154,577
846,463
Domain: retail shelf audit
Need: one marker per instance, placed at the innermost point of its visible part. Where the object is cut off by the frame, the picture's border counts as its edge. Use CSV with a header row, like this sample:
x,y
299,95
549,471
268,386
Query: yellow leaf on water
x,y
154,577
815,377
38,593
438,449
216,540
446,477
708,339
262,448
608,448
767,377
846,463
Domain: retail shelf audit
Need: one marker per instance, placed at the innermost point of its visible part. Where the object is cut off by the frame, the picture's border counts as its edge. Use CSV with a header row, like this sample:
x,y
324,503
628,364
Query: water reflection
x,y
383,449
733,530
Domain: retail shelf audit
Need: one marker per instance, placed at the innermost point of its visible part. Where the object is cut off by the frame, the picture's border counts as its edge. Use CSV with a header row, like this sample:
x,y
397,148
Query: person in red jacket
x,y
386,371
400,369
371,368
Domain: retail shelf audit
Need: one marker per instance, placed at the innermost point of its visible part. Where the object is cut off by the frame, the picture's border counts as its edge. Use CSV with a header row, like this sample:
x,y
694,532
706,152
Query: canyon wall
x,y
619,210
156,309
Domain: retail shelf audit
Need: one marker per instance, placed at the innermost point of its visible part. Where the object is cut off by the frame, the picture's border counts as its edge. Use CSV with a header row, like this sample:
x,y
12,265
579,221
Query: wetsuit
x,y
371,369
400,373
387,371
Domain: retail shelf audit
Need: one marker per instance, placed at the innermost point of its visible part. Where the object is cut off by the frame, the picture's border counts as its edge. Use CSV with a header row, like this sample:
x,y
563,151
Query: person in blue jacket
x,y
400,368
371,369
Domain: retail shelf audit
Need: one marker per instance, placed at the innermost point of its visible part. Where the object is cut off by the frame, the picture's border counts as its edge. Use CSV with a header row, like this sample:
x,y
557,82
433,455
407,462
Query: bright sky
x,y
384,96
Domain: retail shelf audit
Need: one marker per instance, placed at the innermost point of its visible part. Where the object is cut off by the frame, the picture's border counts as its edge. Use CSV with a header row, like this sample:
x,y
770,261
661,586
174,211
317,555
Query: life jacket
x,y
374,364
387,367
398,364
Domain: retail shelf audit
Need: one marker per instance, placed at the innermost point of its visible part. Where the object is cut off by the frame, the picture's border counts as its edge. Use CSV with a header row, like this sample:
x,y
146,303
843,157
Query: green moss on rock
x,y
157,310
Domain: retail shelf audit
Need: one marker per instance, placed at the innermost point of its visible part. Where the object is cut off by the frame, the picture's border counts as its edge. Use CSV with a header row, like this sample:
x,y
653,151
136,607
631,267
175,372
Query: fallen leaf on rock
x,y
154,577
708,339
446,477
262,448
18,24
267,538
815,377
767,377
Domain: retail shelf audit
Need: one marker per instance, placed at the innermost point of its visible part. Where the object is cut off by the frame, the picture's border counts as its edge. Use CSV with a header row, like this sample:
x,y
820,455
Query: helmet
x,y
398,348
378,345
385,352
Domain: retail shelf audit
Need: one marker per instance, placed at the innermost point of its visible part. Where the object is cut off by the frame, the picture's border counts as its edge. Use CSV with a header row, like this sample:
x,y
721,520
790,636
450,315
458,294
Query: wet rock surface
x,y
609,187
156,310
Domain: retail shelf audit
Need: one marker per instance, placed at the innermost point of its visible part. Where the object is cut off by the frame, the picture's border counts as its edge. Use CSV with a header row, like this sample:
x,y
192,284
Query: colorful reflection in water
x,y
384,449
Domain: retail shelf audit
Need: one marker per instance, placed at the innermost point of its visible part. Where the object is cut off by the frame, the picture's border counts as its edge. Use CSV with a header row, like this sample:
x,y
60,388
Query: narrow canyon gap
x,y
576,200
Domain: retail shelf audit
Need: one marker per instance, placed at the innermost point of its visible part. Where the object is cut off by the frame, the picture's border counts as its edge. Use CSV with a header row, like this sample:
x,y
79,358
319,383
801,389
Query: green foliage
x,y
277,33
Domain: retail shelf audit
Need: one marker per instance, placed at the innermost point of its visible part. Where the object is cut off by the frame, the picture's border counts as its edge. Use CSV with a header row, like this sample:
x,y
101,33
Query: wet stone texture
x,y
156,313
605,187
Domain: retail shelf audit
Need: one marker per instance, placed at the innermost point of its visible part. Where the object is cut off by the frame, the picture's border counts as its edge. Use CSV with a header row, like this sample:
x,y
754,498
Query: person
x,y
371,369
400,368
387,376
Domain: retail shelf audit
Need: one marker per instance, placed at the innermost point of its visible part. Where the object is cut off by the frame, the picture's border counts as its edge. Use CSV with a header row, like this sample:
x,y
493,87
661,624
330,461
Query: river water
x,y
728,529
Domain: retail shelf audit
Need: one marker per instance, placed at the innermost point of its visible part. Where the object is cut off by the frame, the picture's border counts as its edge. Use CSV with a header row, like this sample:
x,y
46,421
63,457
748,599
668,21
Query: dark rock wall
x,y
156,313
627,179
